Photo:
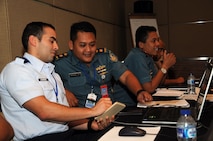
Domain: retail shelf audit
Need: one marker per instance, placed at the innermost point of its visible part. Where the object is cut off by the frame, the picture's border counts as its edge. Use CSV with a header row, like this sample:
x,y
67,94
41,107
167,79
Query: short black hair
x,y
35,29
142,32
82,26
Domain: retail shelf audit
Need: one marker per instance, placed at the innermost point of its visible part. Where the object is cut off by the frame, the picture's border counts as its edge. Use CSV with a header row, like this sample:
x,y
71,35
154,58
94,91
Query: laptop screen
x,y
161,115
204,88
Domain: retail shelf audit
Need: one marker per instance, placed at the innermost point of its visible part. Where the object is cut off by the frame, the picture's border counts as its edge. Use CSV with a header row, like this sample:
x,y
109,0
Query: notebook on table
x,y
170,115
164,97
167,94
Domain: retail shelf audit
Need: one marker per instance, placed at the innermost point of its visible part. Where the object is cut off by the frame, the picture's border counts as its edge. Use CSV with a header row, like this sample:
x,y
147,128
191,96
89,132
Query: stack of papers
x,y
168,93
166,103
112,135
163,92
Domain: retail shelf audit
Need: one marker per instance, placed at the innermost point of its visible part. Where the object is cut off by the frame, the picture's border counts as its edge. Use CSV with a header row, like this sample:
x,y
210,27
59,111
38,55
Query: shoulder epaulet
x,y
101,50
65,54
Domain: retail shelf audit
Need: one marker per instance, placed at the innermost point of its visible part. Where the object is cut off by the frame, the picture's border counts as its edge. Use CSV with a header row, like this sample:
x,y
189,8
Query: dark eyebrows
x,y
92,42
54,39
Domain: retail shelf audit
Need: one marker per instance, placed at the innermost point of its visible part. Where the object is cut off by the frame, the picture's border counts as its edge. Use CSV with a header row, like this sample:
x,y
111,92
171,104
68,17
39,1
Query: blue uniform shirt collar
x,y
75,60
149,59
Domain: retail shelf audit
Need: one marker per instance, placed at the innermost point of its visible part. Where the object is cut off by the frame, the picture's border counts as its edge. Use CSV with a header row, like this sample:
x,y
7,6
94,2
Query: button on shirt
x,y
78,77
23,80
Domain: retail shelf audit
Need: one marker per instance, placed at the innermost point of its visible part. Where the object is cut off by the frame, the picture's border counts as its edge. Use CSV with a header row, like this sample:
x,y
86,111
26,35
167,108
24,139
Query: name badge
x,y
75,74
104,91
91,99
43,79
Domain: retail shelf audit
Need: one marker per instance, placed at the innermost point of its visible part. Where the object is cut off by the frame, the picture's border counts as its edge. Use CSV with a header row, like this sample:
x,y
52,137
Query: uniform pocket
x,y
46,85
77,81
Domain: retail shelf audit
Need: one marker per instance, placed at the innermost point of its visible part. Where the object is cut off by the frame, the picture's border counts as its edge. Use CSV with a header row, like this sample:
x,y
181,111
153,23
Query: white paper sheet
x,y
112,135
166,103
168,92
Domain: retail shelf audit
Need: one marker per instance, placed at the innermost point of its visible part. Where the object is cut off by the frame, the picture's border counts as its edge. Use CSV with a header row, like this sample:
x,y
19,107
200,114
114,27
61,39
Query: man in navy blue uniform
x,y
87,72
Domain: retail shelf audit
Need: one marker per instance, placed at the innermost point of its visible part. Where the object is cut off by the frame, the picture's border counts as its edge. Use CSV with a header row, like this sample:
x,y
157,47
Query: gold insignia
x,y
101,50
101,70
61,55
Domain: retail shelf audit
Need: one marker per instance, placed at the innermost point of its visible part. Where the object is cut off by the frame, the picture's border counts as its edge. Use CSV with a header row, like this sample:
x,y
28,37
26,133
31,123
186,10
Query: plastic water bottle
x,y
186,127
191,84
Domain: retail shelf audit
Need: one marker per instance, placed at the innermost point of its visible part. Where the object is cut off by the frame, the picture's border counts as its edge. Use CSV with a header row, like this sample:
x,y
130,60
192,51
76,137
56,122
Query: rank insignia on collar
x,y
65,54
101,50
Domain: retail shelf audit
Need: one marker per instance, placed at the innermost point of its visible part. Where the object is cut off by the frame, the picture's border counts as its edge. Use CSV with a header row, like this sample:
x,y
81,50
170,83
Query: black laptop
x,y
170,115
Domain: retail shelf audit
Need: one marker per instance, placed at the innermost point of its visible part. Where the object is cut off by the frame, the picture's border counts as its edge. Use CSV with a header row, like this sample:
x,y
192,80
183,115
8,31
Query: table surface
x,y
133,116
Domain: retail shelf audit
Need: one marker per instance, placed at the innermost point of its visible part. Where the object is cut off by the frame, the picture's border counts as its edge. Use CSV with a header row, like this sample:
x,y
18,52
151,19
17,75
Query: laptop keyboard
x,y
162,113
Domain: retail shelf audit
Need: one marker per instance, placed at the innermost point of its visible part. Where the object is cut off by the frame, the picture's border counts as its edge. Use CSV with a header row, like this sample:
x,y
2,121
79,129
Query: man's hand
x,y
72,100
101,106
101,124
169,60
144,97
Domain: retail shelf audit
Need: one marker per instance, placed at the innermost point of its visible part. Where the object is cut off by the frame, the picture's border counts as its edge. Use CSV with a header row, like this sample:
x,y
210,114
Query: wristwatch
x,y
164,71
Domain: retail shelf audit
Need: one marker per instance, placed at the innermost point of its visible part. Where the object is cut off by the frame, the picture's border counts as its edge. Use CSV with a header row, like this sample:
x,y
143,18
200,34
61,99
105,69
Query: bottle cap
x,y
185,112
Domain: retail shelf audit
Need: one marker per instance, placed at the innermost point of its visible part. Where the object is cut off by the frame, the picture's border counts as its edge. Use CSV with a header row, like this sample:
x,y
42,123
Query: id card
x,y
104,91
91,99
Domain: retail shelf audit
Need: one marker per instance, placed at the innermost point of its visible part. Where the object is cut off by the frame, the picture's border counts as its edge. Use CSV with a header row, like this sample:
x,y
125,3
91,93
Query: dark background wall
x,y
176,23
178,28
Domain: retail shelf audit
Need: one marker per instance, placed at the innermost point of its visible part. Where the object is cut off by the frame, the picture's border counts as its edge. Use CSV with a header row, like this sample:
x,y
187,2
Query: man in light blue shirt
x,y
33,97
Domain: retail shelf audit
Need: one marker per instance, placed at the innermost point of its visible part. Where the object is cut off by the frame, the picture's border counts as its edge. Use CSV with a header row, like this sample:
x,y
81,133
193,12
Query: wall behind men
x,y
110,17
178,28
106,15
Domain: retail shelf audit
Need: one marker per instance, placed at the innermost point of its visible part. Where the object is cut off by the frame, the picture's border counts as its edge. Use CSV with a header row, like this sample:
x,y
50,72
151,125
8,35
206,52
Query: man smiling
x,y
87,72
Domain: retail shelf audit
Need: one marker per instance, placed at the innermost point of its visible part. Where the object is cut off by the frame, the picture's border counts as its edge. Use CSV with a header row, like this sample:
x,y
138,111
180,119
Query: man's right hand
x,y
169,60
101,106
72,100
